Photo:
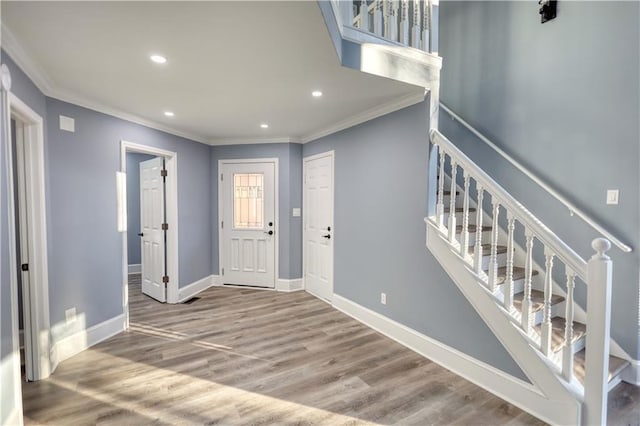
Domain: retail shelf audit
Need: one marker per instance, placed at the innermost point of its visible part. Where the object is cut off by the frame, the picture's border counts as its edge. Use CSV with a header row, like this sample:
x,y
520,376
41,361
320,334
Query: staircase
x,y
520,278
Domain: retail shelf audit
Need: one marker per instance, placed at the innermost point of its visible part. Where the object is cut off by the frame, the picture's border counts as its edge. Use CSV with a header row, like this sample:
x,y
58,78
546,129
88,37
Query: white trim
x,y
286,285
134,268
72,345
276,194
362,117
305,160
15,418
35,304
171,202
187,292
507,387
250,141
631,374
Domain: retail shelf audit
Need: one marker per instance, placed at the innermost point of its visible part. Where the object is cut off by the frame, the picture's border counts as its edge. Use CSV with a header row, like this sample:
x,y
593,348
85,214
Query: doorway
x,y
248,215
27,230
156,178
318,226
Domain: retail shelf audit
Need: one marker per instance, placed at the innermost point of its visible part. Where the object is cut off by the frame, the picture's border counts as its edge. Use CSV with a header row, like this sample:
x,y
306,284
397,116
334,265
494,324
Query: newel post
x,y
599,271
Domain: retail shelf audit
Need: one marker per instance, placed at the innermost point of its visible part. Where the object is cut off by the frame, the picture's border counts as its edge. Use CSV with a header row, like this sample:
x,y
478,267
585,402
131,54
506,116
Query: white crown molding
x,y
39,77
370,114
249,141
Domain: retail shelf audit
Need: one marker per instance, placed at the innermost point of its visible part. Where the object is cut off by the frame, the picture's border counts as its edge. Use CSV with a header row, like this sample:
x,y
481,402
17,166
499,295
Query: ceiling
x,y
231,66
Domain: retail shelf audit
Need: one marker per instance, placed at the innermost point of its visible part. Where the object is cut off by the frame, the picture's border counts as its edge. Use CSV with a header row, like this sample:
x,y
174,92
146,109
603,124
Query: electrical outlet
x,y
383,298
70,315
612,196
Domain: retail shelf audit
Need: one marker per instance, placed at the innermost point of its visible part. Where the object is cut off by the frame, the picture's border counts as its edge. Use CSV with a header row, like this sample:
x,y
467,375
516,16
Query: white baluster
x,y
464,246
393,21
440,204
377,17
508,287
386,13
546,313
426,25
567,351
452,202
477,251
527,314
364,15
599,272
416,33
404,22
493,258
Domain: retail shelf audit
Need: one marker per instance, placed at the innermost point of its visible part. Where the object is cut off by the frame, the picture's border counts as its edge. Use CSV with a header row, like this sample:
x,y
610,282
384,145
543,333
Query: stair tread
x,y
486,249
472,228
616,365
557,332
537,298
459,209
518,274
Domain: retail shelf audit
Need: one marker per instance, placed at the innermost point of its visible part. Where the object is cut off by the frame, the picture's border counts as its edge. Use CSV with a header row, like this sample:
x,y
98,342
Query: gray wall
x,y
380,205
133,205
562,98
290,195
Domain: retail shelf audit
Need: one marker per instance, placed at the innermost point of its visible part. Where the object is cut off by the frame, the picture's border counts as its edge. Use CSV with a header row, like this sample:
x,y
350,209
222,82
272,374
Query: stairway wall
x,y
380,205
563,99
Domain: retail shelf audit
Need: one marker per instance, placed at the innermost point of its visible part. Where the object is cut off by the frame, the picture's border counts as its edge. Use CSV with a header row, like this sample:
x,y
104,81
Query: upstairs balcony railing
x,y
409,23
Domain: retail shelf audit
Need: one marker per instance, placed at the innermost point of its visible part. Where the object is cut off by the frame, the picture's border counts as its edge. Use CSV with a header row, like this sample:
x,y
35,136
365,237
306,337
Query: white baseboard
x,y
631,374
507,387
71,345
187,292
134,269
289,285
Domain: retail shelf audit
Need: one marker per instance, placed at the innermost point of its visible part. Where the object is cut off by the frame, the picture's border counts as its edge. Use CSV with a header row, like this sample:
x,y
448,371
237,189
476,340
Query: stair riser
x,y
556,310
486,259
485,238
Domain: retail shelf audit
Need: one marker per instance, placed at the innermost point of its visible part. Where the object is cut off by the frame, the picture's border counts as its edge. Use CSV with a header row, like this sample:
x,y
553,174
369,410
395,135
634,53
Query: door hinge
x,y
163,173
24,267
222,271
165,279
222,224
165,226
221,177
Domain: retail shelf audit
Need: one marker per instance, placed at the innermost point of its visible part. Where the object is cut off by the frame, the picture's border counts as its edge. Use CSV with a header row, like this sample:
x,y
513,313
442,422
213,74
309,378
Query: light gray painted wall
x,y
133,205
563,99
380,205
290,195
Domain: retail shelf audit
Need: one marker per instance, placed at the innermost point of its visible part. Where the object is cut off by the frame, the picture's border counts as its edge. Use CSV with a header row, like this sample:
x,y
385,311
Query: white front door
x,y
248,227
152,214
318,225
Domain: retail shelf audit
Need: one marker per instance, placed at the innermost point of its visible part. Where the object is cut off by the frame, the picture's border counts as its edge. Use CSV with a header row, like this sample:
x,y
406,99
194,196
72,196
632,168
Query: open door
x,y
152,223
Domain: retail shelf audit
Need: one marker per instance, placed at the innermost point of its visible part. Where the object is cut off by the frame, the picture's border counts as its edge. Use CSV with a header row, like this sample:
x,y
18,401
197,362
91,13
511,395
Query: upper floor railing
x,y
409,23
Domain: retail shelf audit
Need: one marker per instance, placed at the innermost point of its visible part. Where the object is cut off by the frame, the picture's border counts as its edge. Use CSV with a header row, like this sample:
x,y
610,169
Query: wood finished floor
x,y
243,356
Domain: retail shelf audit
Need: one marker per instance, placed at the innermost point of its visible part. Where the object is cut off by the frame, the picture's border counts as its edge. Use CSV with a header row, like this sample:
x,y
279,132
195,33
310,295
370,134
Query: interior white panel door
x,y
248,228
318,225
152,216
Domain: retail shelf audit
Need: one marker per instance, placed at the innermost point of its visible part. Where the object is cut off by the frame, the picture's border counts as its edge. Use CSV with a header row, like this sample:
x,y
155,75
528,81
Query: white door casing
x,y
318,227
248,225
152,218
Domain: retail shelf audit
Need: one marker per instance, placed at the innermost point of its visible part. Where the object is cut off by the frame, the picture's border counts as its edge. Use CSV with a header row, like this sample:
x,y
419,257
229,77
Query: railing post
x,y
364,15
452,202
404,22
440,202
477,251
527,314
426,22
493,254
378,25
599,272
416,33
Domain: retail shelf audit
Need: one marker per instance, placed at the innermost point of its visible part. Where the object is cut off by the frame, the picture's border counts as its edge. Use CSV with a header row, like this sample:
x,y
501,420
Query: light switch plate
x,y
296,212
67,123
612,196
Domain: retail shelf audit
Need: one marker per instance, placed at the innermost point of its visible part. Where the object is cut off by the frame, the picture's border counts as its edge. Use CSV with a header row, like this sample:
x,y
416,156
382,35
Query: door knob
x,y
328,236
269,233
328,228
140,234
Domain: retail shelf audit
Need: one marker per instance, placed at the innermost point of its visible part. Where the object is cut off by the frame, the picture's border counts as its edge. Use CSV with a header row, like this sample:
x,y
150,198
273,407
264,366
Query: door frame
x,y
305,160
36,306
171,202
276,174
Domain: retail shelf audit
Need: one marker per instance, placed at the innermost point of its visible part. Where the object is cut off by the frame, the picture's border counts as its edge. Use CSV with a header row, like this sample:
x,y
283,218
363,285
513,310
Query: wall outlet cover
x,y
612,196
296,212
383,298
67,123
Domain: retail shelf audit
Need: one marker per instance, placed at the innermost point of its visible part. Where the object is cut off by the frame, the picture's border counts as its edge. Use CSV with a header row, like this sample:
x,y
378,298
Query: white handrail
x,y
572,208
524,216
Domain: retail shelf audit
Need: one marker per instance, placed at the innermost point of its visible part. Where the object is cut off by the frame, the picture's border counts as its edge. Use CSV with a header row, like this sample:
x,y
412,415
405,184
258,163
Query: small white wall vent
x,y
67,123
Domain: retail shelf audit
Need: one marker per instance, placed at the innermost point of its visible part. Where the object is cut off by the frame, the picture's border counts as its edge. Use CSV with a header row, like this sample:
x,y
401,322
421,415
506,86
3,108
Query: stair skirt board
x,y
535,366
511,389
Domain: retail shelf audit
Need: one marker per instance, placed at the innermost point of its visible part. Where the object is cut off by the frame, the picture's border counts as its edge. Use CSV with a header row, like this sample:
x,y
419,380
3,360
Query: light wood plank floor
x,y
243,356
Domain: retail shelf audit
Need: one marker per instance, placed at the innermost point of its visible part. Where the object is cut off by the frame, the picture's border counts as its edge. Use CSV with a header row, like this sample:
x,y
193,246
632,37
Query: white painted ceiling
x,y
231,65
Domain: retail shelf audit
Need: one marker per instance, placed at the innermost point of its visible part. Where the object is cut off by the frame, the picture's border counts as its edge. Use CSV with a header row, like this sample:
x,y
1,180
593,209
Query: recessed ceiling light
x,y
264,125
316,93
158,59
169,113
